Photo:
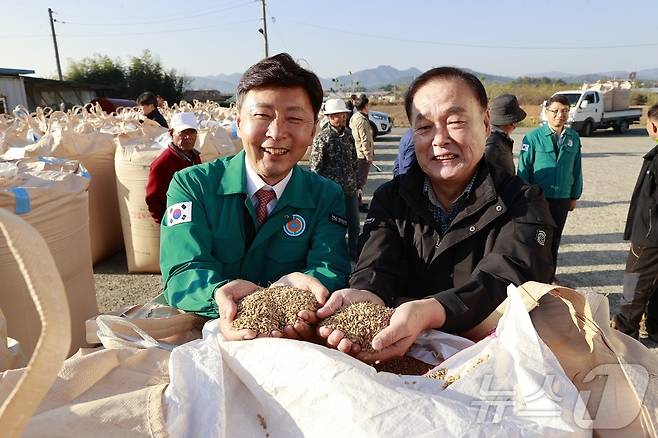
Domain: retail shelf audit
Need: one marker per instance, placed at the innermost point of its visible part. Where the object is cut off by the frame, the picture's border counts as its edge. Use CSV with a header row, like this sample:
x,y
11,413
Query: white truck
x,y
587,113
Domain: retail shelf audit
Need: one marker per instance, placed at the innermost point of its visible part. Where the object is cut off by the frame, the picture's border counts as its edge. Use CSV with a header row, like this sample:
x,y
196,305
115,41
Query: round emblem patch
x,y
541,237
295,227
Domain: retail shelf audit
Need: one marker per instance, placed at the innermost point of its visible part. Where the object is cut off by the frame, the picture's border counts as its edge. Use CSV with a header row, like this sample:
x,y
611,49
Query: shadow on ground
x,y
592,238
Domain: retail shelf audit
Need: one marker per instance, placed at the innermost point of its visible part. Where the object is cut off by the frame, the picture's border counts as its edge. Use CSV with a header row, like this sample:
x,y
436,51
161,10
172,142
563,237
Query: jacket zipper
x,y
649,232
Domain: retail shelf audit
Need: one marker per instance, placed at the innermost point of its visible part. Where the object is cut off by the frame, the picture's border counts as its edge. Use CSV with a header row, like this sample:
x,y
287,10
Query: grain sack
x,y
51,195
19,130
135,151
11,354
80,140
621,99
214,141
606,90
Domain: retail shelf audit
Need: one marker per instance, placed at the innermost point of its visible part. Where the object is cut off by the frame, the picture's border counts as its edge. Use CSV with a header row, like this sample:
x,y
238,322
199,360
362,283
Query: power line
x,y
141,17
474,46
157,21
124,34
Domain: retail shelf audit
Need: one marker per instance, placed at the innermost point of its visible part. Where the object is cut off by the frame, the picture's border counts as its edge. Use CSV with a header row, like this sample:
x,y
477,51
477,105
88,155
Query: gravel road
x,y
592,254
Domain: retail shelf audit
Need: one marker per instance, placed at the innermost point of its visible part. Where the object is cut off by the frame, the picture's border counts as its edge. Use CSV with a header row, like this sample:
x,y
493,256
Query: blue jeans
x,y
353,228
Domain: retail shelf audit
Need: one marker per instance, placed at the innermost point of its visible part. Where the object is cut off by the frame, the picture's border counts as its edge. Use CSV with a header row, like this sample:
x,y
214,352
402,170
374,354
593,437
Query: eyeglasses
x,y
556,112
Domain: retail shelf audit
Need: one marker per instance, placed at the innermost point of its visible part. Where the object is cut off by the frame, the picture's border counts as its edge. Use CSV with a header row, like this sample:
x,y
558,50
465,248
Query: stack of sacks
x,y
616,95
135,151
77,137
50,194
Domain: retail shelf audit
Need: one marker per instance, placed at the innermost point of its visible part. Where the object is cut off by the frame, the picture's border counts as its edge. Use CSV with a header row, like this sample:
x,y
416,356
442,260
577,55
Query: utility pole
x,y
52,28
263,29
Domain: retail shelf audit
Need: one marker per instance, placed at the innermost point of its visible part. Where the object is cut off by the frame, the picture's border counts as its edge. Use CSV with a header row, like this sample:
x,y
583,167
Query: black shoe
x,y
363,208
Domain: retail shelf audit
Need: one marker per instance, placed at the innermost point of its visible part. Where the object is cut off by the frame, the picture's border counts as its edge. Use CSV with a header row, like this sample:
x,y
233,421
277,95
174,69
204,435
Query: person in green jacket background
x,y
550,157
257,218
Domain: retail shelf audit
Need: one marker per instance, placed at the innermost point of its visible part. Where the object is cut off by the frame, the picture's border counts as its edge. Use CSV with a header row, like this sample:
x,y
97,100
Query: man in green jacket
x,y
550,157
257,218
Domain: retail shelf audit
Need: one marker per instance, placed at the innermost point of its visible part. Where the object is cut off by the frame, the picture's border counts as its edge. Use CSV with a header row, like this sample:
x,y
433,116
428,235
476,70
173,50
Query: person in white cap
x,y
333,155
179,155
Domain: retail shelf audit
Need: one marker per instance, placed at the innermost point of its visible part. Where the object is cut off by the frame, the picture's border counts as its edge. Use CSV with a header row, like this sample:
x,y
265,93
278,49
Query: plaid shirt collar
x,y
443,218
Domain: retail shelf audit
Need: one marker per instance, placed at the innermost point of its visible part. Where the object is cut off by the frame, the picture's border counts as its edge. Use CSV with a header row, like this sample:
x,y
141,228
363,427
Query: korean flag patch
x,y
179,213
525,147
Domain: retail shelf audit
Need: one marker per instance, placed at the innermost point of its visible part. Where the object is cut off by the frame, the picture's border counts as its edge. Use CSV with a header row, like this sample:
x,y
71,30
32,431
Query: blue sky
x,y
505,37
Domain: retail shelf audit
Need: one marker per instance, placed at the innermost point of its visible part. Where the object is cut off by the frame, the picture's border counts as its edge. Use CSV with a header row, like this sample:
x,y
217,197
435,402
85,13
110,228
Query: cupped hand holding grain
x,y
226,298
303,328
408,320
337,300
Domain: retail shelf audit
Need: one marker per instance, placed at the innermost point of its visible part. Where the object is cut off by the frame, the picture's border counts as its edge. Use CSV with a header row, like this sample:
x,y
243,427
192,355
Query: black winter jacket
x,y
642,222
157,116
502,236
498,151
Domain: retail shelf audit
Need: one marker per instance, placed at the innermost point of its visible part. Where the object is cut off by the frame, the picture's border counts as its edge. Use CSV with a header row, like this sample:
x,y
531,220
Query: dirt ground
x,y
592,254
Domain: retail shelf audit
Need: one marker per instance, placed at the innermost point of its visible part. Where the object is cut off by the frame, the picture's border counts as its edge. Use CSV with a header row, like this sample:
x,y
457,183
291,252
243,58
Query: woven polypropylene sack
x,y
51,195
135,152
96,151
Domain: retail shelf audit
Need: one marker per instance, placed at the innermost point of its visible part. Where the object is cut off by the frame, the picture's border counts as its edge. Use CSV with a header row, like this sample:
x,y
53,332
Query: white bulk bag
x,y
281,387
80,140
135,151
51,195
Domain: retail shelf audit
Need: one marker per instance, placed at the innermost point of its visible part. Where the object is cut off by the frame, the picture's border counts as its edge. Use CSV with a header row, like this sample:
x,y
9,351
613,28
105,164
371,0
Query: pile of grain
x,y
360,322
405,365
273,309
448,379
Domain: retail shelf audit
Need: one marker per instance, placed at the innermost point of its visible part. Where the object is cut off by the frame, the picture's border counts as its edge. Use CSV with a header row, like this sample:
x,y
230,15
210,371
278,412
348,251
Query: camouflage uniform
x,y
333,156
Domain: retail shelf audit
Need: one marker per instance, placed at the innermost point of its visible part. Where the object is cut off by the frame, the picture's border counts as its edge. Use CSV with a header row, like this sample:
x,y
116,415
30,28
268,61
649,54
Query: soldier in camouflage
x,y
333,156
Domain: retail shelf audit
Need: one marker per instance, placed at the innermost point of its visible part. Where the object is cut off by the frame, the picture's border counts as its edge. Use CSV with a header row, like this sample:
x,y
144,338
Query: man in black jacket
x,y
641,276
505,114
443,242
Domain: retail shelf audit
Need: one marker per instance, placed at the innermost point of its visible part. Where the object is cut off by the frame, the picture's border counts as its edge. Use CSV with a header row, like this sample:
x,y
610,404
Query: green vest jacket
x,y
203,239
560,177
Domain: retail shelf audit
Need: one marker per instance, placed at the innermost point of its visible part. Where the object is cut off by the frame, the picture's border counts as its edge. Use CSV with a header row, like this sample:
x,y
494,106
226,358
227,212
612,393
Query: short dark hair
x,y
147,98
558,98
446,73
281,70
361,102
652,113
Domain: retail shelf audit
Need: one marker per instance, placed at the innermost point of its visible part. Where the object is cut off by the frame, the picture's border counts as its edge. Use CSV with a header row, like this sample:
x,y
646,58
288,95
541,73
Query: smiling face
x,y
557,115
276,125
450,129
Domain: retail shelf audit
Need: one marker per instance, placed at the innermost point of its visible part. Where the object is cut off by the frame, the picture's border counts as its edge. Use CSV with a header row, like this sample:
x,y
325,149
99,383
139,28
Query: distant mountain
x,y
648,74
374,78
549,74
642,75
487,78
223,83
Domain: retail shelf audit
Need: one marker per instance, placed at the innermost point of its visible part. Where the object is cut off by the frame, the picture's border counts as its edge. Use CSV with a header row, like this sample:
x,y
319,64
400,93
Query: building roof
x,y
64,84
15,71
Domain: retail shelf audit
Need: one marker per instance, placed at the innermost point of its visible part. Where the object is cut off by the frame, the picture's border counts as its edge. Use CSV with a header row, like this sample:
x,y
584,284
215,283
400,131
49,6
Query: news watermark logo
x,y
609,397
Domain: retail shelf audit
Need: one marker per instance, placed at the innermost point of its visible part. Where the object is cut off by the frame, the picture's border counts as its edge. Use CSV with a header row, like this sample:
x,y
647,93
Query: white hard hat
x,y
182,121
333,106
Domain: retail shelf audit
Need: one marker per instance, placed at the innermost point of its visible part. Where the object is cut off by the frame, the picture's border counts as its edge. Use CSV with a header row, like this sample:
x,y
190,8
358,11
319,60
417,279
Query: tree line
x,y
129,80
